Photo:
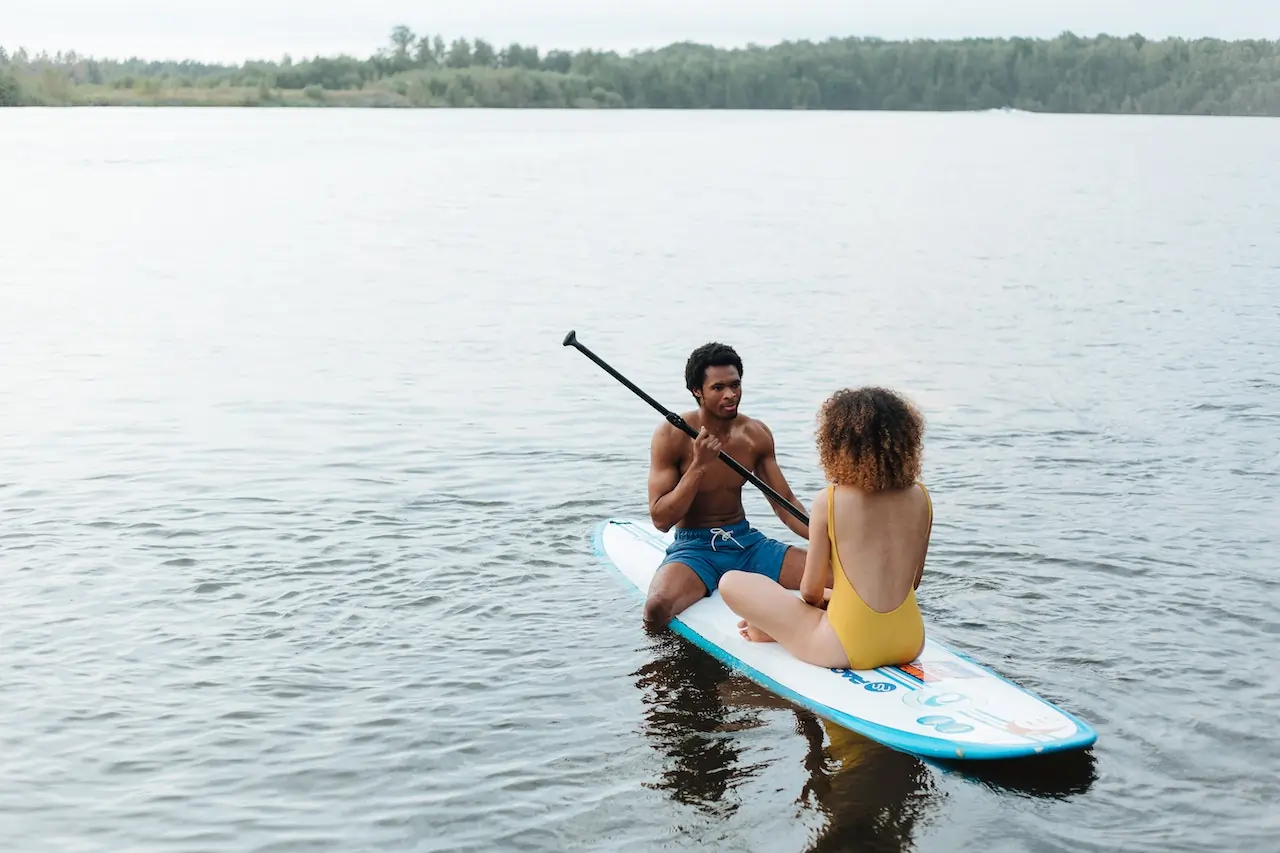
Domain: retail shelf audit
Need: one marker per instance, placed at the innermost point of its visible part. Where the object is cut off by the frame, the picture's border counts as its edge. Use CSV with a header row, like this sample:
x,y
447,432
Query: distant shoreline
x,y
1068,74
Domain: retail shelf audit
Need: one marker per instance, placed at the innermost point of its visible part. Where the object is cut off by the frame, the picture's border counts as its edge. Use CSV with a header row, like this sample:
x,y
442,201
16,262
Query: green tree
x,y
401,39
424,56
10,90
459,54
558,61
483,54
518,56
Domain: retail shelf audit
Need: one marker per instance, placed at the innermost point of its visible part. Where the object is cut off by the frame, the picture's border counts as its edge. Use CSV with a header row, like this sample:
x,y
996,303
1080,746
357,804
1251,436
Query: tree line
x,y
1103,74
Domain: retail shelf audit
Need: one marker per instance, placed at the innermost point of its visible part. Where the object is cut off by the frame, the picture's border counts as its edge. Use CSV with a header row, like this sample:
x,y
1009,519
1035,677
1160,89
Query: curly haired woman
x,y
868,538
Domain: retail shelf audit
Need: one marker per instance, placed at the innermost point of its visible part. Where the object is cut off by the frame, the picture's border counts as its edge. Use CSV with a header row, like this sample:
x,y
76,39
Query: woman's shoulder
x,y
928,498
819,502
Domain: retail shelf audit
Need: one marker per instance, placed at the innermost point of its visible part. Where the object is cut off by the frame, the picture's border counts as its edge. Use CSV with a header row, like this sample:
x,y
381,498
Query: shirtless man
x,y
691,490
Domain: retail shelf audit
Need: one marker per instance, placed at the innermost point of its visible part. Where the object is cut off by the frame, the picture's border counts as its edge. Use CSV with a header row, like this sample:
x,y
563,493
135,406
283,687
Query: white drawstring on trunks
x,y
718,533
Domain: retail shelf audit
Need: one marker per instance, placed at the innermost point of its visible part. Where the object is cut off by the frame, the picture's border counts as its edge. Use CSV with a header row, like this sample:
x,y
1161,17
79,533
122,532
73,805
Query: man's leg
x,y
779,562
675,587
792,567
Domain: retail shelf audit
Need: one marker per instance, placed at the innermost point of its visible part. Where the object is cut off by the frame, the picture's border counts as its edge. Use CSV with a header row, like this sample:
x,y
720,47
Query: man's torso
x,y
719,499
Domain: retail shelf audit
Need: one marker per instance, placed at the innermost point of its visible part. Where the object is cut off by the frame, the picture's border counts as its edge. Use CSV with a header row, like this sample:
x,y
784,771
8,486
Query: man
x,y
691,490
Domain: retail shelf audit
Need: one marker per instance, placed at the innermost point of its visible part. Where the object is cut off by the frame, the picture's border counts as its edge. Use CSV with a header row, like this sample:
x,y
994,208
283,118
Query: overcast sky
x,y
233,30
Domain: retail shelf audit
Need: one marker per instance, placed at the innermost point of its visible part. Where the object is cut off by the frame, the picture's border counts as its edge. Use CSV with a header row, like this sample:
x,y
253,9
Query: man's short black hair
x,y
708,355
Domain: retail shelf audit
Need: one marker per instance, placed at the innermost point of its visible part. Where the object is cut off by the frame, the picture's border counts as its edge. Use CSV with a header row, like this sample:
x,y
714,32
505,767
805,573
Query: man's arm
x,y
670,494
767,470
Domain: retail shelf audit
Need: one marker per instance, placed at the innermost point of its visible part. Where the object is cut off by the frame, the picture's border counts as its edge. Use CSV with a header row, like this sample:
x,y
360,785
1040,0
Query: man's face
x,y
722,391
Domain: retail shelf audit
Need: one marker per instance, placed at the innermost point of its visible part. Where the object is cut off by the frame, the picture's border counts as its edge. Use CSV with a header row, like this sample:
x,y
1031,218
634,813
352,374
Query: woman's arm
x,y
817,565
927,536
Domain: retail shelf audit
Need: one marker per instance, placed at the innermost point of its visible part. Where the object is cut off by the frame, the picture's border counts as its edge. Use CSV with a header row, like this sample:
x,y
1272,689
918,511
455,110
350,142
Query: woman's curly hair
x,y
870,438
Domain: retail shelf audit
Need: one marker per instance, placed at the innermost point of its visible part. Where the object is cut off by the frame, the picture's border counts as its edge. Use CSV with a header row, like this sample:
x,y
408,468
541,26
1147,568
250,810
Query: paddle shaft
x,y
571,340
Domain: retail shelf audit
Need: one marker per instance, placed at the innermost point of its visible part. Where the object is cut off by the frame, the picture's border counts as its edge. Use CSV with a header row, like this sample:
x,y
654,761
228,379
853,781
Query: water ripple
x,y
296,536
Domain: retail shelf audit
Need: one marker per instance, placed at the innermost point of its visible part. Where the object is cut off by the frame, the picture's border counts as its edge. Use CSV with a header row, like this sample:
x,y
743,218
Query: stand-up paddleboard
x,y
942,705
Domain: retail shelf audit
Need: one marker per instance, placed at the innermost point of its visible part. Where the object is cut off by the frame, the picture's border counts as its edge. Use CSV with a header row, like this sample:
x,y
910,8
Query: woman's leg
x,y
798,627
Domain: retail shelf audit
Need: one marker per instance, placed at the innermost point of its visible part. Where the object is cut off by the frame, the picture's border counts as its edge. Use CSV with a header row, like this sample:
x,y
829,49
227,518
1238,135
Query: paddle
x,y
571,340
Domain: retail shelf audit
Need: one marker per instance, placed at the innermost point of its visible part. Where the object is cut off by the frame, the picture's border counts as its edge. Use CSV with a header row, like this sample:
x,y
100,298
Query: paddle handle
x,y
571,340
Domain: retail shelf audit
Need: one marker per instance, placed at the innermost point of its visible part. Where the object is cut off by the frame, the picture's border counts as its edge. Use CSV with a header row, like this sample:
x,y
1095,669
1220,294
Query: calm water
x,y
298,480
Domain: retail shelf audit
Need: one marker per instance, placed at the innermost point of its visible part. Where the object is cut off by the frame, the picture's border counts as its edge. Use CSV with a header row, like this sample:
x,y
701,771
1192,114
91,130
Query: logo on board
x,y
873,686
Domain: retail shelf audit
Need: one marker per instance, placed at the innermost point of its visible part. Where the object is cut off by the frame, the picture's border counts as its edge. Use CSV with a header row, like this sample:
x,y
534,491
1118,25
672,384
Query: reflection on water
x,y
866,793
870,797
1057,776
688,721
873,797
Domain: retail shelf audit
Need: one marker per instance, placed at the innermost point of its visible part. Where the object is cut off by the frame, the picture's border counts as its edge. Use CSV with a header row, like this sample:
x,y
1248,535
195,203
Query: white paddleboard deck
x,y
943,705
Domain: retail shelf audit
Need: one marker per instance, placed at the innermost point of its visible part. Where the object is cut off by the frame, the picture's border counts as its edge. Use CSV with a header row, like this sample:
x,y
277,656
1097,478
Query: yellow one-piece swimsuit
x,y
869,637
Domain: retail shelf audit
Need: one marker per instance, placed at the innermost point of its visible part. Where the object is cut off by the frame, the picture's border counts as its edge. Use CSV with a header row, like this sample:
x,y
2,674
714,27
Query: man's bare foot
x,y
752,634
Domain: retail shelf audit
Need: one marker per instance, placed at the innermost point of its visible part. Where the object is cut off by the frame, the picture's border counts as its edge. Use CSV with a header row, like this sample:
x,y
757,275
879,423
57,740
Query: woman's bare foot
x,y
752,634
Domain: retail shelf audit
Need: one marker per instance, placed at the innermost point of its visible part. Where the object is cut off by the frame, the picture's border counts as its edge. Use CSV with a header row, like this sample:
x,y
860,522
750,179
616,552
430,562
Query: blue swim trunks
x,y
711,552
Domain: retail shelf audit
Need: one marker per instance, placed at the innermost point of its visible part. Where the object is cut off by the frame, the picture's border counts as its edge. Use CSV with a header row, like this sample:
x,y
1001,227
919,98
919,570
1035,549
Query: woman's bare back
x,y
882,539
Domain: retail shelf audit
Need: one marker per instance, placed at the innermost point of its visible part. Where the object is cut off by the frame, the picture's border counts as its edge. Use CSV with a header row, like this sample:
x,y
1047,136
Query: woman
x,y
868,539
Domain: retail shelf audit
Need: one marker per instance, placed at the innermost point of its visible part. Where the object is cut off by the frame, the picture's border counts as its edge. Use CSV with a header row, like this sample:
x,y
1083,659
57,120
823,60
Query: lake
x,y
298,480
